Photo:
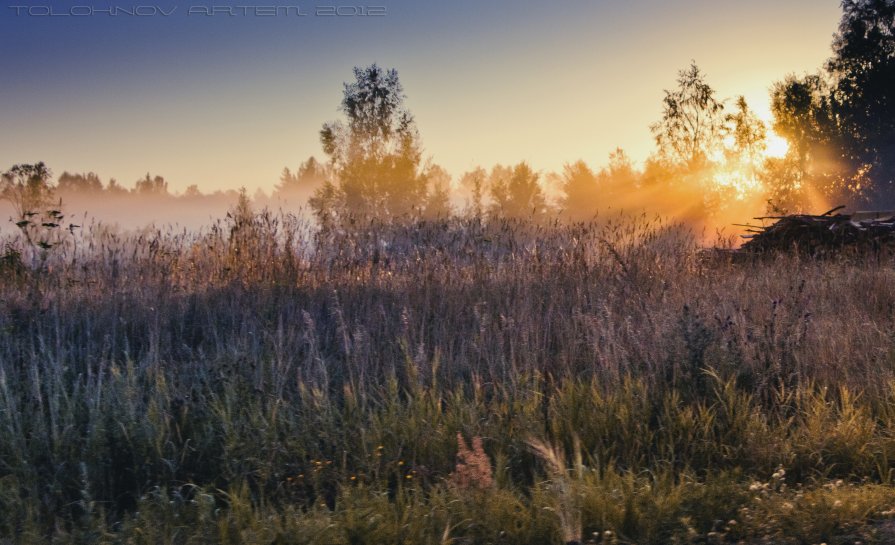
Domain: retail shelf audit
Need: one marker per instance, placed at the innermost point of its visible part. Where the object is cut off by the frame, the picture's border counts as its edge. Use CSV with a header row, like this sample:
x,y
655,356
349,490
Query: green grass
x,y
253,384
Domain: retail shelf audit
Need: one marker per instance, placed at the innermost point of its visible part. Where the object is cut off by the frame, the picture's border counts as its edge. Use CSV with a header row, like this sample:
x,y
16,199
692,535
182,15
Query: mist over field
x,y
127,212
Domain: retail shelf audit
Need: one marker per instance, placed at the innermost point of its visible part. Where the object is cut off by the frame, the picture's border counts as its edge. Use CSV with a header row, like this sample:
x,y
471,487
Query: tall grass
x,y
259,382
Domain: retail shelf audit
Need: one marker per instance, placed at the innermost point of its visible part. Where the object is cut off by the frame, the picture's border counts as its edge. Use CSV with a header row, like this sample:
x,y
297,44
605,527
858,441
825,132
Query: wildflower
x,y
473,469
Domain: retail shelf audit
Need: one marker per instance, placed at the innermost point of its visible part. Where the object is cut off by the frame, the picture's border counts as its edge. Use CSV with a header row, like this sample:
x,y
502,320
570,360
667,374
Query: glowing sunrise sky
x,y
224,102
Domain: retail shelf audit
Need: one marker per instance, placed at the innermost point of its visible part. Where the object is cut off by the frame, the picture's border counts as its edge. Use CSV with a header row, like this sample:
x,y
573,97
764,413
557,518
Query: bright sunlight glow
x,y
742,177
742,183
777,146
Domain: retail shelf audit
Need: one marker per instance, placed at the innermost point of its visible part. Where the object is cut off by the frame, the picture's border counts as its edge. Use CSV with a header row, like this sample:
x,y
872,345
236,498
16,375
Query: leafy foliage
x,y
515,193
375,153
692,120
863,69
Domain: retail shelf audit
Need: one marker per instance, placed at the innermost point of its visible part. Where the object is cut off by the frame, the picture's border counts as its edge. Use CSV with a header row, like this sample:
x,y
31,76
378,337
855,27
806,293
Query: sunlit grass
x,y
608,382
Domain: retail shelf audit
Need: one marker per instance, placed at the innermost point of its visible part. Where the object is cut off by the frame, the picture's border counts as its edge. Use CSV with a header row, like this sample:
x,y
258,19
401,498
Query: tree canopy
x,y
28,188
863,73
692,120
375,152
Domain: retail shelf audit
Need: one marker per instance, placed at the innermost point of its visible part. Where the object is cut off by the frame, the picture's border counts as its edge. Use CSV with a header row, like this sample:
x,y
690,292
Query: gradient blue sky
x,y
224,102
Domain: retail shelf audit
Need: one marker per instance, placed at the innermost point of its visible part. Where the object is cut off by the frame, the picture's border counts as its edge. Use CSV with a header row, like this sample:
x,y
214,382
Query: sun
x,y
776,146
742,177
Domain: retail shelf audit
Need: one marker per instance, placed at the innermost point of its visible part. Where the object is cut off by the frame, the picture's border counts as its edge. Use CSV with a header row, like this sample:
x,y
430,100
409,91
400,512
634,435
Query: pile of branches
x,y
826,233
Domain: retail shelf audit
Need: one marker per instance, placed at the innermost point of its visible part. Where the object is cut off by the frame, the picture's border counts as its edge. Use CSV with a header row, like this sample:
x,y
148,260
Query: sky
x,y
227,100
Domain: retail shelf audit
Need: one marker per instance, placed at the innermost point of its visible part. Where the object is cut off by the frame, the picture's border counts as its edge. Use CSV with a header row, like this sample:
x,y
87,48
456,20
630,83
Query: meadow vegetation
x,y
536,368
442,382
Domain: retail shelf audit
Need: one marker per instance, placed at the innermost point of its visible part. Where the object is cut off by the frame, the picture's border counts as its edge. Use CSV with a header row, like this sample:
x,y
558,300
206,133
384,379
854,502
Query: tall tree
x,y
28,189
310,175
79,183
438,199
192,192
516,193
863,101
498,185
619,178
747,132
803,115
692,119
786,191
582,191
151,186
475,182
114,188
375,151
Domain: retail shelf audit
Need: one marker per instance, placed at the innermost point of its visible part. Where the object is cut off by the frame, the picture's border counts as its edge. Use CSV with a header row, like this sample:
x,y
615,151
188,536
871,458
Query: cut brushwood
x,y
825,233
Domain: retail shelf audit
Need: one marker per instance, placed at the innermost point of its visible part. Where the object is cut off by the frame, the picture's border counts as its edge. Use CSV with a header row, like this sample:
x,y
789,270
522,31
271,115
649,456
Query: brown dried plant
x,y
473,470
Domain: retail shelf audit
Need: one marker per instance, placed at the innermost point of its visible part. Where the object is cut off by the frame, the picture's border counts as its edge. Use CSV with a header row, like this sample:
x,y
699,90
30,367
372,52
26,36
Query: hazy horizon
x,y
228,101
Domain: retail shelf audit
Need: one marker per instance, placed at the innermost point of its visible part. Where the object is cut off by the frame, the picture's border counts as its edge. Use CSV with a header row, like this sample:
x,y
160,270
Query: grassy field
x,y
448,382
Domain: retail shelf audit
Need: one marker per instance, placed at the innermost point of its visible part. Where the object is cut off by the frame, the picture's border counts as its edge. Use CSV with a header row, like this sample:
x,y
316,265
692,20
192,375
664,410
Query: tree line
x,y
839,122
